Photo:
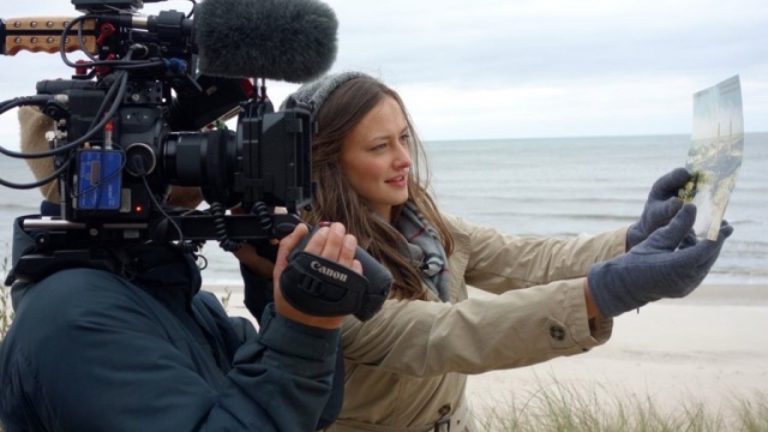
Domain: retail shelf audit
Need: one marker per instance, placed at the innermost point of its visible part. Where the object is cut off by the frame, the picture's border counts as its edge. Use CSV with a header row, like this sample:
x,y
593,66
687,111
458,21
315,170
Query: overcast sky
x,y
518,68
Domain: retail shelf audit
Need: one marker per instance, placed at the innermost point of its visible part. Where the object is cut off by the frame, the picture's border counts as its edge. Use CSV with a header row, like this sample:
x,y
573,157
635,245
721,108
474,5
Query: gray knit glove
x,y
669,263
661,206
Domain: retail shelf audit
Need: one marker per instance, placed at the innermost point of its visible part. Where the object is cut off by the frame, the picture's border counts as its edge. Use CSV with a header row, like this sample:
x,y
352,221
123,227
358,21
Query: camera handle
x,y
310,283
318,286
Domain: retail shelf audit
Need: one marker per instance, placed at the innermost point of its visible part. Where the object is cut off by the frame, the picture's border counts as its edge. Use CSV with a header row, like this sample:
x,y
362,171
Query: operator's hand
x,y
330,242
661,206
669,263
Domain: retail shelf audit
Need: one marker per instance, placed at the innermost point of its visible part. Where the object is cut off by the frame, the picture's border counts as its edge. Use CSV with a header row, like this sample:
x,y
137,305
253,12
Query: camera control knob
x,y
140,159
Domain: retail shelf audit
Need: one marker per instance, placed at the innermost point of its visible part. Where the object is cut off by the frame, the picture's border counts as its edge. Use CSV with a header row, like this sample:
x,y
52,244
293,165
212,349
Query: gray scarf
x,y
426,249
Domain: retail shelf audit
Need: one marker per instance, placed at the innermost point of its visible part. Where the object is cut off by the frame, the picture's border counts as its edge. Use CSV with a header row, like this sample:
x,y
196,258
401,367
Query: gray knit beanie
x,y
316,92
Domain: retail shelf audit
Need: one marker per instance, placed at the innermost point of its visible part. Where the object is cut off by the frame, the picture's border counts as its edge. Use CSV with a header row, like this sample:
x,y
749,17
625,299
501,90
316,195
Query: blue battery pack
x,y
99,179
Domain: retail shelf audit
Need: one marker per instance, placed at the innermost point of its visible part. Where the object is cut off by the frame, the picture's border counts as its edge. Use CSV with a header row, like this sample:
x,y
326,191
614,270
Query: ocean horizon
x,y
543,187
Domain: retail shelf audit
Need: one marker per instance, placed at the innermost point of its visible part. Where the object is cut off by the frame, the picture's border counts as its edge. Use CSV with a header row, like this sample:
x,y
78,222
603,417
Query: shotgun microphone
x,y
286,40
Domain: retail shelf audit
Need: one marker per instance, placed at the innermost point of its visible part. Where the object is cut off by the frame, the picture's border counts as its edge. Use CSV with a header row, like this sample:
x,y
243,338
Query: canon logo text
x,y
339,276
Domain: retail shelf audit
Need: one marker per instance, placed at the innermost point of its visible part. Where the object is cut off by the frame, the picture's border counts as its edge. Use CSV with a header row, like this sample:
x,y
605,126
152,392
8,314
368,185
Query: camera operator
x,y
142,348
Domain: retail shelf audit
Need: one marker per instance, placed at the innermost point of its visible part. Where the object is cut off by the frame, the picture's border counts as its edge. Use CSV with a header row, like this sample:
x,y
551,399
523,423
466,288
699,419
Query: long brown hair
x,y
335,200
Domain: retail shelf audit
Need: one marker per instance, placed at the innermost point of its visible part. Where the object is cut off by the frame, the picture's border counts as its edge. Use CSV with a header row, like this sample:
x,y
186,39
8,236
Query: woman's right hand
x,y
669,263
330,242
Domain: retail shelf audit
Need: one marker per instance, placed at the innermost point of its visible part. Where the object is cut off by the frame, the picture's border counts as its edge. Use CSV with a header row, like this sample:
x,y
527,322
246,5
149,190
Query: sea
x,y
538,186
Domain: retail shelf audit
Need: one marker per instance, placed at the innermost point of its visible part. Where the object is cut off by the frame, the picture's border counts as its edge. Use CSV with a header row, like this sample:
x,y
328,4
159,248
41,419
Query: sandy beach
x,y
711,347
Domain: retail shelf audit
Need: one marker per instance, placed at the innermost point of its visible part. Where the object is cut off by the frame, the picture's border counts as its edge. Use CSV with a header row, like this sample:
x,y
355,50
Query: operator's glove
x,y
661,206
669,263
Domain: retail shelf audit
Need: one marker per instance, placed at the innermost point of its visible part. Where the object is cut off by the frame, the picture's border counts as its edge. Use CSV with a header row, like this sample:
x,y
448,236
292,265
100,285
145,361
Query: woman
x,y
406,367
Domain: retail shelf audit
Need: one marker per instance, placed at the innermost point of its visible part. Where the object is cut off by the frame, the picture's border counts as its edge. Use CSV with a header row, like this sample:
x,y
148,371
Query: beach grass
x,y
559,407
6,310
551,405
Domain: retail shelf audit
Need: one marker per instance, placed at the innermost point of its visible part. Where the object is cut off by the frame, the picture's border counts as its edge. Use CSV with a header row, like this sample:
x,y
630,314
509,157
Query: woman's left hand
x,y
662,205
248,255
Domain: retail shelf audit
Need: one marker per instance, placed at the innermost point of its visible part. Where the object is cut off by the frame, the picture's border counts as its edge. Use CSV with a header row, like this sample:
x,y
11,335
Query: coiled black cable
x,y
220,226
261,210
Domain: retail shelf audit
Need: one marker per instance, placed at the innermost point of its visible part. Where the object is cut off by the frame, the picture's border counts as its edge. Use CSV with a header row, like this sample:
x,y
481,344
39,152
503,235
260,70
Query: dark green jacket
x,y
92,351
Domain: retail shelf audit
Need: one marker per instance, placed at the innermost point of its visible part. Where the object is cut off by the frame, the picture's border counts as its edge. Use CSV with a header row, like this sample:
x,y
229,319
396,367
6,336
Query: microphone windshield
x,y
288,40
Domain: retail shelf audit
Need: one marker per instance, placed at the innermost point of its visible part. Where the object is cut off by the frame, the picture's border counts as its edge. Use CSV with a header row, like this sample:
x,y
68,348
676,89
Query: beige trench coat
x,y
406,367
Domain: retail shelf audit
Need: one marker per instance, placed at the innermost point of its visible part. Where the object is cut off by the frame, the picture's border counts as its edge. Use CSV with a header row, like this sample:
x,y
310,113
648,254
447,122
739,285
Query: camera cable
x,y
122,85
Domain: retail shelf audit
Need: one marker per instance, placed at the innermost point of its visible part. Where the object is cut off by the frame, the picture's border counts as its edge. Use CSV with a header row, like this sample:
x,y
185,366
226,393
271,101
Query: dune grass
x,y
561,407
6,310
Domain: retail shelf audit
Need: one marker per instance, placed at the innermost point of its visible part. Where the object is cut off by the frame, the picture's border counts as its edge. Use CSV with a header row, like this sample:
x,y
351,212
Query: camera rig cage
x,y
138,117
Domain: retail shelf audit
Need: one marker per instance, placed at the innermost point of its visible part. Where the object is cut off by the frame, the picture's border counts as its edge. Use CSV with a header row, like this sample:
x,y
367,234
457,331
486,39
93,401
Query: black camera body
x,y
267,159
117,164
138,119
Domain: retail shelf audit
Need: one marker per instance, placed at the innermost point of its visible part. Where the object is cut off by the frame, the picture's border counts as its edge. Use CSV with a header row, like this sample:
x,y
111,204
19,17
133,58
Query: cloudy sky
x,y
519,68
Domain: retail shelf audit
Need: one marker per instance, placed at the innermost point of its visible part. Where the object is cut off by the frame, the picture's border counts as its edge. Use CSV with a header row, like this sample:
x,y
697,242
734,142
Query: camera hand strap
x,y
321,287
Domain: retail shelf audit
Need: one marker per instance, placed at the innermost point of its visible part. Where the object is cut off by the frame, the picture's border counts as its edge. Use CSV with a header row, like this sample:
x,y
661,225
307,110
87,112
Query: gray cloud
x,y
586,67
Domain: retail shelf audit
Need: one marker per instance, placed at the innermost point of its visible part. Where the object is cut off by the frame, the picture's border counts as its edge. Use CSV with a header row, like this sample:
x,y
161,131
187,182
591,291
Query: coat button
x,y
557,332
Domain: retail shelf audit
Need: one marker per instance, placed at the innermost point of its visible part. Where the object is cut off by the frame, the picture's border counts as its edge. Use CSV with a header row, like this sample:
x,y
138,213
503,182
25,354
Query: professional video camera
x,y
145,112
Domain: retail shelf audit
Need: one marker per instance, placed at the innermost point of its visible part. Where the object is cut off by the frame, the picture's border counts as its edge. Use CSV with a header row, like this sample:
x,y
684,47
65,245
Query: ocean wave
x,y
572,216
752,243
15,207
745,221
547,200
740,271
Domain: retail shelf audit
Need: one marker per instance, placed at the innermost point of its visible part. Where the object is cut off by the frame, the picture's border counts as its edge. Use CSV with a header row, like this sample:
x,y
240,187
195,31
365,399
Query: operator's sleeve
x,y
258,294
518,327
93,353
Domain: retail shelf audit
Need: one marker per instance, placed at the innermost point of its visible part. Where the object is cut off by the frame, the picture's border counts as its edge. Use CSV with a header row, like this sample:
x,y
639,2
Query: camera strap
x,y
321,287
